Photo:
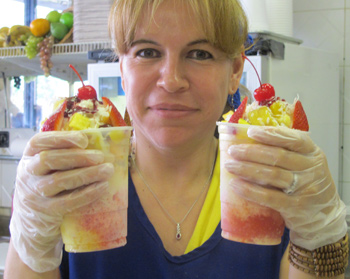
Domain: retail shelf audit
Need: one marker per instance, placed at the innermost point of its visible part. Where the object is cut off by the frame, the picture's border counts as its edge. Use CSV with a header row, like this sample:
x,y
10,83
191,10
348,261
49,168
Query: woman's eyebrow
x,y
143,41
196,42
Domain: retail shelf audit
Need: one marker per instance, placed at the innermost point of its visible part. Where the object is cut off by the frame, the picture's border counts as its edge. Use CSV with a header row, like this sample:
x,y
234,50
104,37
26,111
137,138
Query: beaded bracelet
x,y
327,261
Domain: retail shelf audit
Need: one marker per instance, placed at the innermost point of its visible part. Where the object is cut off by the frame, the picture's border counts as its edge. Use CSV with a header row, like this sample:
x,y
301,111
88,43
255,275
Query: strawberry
x,y
54,123
239,111
115,117
299,118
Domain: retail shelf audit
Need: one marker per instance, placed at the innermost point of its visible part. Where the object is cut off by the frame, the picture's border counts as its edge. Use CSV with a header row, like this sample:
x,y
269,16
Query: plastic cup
x,y
103,224
242,220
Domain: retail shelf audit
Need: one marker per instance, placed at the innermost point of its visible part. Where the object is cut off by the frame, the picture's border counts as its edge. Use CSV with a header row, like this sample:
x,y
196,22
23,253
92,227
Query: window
x,y
12,13
30,98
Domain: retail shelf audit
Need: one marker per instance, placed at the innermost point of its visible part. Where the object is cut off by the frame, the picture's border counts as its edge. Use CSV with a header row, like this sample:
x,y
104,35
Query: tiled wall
x,y
325,24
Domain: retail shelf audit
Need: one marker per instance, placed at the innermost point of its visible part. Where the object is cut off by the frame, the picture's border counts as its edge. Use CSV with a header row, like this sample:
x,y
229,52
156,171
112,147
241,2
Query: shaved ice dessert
x,y
242,220
103,224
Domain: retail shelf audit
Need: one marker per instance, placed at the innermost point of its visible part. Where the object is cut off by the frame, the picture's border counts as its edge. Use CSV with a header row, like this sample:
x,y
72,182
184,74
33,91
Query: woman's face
x,y
176,83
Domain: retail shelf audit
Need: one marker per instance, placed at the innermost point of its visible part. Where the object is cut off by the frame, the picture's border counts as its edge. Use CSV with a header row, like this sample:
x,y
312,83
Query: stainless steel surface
x,y
9,158
14,62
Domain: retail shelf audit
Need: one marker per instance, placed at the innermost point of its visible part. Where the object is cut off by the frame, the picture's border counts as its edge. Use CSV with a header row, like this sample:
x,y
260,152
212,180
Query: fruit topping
x,y
268,110
115,117
87,91
264,92
262,117
299,118
79,122
54,123
239,111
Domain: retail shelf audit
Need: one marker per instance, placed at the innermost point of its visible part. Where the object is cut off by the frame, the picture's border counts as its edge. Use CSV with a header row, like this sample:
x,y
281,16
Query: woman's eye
x,y
200,54
148,53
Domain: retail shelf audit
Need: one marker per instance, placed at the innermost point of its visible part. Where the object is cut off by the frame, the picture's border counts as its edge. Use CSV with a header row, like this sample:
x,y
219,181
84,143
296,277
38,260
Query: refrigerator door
x,y
106,79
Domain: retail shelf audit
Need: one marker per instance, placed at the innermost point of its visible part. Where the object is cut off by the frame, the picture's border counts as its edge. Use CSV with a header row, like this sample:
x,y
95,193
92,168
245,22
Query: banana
x,y
3,35
14,33
4,30
18,30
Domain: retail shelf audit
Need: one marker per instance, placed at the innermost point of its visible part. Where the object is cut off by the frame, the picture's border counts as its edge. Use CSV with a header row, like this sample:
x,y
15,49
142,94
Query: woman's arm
x,y
288,271
16,269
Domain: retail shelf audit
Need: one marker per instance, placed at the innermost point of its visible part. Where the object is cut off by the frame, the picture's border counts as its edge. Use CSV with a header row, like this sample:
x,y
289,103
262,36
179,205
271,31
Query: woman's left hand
x,y
289,173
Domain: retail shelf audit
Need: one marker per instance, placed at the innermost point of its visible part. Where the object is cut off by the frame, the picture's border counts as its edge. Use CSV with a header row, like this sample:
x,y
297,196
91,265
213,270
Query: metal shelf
x,y
14,62
9,158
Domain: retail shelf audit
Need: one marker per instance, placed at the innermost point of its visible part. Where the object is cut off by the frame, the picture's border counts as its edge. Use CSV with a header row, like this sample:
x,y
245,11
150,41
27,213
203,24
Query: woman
x,y
179,61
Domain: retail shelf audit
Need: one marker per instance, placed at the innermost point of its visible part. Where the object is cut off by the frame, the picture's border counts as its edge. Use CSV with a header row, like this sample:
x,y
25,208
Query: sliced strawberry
x,y
299,118
115,117
239,111
54,123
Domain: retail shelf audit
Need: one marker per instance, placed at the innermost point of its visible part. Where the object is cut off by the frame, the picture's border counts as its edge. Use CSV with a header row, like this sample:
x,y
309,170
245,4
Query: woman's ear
x,y
237,71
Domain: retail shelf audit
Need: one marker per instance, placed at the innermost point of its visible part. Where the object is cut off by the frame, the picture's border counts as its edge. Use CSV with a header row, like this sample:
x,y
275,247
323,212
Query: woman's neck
x,y
176,168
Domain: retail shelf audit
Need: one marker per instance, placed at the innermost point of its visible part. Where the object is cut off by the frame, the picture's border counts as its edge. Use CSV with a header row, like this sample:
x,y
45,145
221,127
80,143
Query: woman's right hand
x,y
55,176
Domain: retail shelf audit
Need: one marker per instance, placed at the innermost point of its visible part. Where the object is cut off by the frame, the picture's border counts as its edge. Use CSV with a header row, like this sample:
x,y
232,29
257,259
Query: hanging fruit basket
x,y
69,36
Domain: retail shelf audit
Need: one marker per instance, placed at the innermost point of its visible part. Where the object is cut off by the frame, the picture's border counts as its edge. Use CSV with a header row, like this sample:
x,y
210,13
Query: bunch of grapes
x,y
17,83
31,47
45,54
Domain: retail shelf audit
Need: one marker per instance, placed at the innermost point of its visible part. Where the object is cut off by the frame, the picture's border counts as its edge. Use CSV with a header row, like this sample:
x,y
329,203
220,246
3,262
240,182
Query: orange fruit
x,y
40,27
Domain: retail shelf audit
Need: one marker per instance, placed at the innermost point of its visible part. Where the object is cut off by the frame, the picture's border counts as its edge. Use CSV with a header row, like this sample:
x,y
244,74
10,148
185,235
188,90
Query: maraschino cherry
x,y
265,91
86,92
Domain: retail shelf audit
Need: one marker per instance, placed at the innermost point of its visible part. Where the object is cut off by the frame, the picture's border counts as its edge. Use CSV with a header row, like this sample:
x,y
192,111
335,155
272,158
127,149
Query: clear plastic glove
x,y
55,176
289,173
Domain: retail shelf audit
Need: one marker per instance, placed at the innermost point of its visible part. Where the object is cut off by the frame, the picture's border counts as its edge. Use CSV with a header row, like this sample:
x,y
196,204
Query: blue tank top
x,y
144,256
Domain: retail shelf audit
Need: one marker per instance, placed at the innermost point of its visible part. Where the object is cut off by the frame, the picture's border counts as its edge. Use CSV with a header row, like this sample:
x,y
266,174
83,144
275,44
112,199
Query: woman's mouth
x,y
172,110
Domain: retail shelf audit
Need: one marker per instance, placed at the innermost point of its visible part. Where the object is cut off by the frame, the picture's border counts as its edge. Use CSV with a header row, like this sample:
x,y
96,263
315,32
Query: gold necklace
x,y
178,224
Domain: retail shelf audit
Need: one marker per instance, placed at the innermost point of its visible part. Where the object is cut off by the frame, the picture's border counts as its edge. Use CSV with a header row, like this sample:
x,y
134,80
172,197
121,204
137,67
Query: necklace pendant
x,y
178,231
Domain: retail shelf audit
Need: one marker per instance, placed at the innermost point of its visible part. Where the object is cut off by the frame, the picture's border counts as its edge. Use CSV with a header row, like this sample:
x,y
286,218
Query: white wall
x,y
325,25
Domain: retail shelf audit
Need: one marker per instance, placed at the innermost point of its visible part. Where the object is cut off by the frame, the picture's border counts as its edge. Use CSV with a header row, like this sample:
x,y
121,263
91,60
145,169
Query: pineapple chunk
x,y
279,110
262,117
278,107
226,117
285,120
79,122
242,121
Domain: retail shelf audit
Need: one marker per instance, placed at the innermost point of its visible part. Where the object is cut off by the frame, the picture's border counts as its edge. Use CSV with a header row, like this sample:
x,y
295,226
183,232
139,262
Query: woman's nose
x,y
172,76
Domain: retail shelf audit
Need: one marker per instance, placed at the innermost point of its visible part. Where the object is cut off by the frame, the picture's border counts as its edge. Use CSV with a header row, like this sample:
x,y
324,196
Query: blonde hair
x,y
224,22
